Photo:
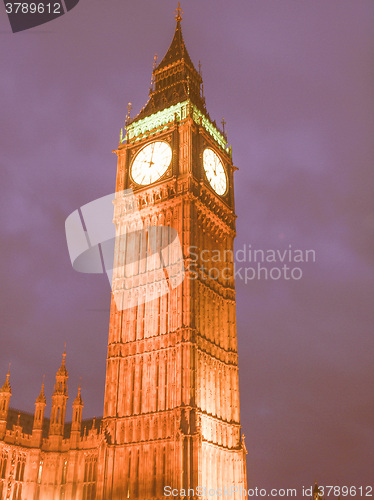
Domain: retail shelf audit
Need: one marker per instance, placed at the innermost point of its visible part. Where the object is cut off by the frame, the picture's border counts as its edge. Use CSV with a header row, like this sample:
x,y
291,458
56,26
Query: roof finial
x,y
153,74
223,126
129,108
178,13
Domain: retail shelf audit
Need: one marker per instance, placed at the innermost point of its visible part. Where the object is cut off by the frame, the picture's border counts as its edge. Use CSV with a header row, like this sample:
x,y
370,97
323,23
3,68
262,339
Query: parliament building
x,y
171,414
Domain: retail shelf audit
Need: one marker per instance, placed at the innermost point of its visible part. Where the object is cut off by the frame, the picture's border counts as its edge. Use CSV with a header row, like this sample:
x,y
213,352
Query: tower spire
x,y
172,77
77,419
59,398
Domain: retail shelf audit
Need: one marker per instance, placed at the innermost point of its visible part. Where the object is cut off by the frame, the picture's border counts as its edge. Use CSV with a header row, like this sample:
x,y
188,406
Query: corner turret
x,y
77,420
59,399
37,430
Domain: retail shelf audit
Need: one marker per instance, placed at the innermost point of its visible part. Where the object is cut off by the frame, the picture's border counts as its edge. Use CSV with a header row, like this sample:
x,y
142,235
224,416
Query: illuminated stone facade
x,y
48,459
171,409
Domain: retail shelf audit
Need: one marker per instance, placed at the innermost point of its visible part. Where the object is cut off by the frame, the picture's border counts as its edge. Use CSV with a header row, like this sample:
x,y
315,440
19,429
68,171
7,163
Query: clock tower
x,y
171,410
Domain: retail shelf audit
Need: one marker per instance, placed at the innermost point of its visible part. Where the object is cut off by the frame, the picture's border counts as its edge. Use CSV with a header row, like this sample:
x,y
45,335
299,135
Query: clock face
x,y
215,171
151,163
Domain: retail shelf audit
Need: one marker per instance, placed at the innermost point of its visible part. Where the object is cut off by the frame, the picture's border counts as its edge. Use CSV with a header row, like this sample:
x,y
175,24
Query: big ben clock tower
x,y
171,411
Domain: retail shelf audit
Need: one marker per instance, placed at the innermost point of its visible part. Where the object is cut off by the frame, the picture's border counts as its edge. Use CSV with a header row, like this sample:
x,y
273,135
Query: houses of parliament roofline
x,y
32,430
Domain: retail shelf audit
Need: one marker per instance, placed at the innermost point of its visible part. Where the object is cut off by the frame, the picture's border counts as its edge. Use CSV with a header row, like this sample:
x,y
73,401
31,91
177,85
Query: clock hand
x,y
151,162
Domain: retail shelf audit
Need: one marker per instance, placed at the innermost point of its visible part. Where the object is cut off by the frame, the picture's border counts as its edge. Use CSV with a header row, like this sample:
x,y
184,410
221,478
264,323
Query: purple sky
x,y
294,81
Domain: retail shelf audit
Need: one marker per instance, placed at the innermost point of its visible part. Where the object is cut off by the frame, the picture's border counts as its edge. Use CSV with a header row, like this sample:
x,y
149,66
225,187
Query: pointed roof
x,y
41,398
78,401
6,387
176,52
175,79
